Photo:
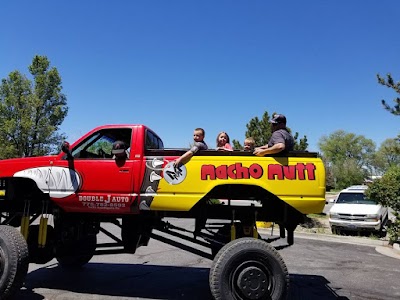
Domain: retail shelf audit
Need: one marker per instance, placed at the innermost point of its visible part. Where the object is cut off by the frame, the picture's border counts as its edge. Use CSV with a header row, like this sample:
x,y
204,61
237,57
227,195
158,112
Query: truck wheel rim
x,y
251,280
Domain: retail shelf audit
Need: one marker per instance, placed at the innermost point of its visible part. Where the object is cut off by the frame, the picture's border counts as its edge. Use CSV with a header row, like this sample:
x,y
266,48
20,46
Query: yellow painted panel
x,y
298,181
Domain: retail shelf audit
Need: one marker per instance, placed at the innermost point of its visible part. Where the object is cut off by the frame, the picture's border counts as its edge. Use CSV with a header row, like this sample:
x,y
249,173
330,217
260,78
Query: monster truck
x,y
85,187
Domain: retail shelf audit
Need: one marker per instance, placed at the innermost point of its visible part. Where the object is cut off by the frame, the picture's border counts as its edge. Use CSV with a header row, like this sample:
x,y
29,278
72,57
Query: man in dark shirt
x,y
281,139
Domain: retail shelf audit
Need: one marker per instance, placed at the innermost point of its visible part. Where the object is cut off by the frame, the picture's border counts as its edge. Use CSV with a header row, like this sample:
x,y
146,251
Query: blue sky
x,y
178,65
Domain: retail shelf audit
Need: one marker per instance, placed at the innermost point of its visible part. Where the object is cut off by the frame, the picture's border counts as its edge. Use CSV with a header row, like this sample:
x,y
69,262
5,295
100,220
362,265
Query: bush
x,y
386,191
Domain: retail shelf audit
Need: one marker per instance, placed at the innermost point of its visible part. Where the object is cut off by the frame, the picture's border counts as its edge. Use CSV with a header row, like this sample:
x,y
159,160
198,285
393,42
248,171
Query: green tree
x,y
387,189
31,112
389,82
388,155
347,173
330,180
260,130
349,155
387,192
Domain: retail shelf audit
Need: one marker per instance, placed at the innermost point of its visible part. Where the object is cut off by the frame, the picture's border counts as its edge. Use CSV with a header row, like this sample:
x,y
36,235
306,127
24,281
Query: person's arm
x,y
226,147
262,147
184,158
270,150
188,155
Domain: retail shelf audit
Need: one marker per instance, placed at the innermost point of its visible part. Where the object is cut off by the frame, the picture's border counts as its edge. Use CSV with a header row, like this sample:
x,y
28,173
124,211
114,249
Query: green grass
x,y
318,216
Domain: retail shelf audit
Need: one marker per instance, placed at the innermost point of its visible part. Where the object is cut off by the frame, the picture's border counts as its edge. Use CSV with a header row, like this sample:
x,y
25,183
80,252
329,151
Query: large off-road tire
x,y
40,255
14,261
75,254
248,268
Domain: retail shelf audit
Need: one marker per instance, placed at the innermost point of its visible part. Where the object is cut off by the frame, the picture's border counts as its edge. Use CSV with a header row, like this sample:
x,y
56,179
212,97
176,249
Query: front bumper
x,y
355,225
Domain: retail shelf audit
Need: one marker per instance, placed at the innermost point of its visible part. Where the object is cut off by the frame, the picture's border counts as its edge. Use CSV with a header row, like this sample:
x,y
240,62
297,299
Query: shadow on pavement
x,y
119,280
147,282
311,287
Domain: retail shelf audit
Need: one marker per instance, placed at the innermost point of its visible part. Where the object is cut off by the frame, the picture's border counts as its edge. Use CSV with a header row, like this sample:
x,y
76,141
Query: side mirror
x,y
65,149
333,200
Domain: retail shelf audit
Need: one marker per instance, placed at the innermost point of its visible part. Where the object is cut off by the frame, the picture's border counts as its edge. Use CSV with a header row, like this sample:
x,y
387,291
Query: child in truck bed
x,y
249,144
199,144
223,142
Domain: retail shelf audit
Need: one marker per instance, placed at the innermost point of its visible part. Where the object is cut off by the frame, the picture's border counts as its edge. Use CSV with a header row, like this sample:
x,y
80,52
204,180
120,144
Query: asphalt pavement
x,y
381,246
327,268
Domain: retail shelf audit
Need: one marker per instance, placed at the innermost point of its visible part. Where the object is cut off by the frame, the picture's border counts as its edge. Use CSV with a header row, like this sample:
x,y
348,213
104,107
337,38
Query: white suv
x,y
352,210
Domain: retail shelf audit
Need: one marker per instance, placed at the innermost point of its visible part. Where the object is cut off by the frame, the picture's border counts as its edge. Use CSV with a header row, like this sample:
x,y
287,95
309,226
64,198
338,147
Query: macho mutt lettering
x,y
237,171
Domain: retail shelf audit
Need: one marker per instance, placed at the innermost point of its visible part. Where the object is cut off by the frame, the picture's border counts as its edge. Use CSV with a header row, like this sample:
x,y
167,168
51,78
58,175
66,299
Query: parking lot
x,y
318,268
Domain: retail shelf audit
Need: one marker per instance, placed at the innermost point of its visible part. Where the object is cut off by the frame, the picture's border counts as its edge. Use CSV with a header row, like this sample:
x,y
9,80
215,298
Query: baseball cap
x,y
118,147
278,119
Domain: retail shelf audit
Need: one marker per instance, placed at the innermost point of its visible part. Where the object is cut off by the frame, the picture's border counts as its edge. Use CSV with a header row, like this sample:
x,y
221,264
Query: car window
x,y
354,198
99,145
153,141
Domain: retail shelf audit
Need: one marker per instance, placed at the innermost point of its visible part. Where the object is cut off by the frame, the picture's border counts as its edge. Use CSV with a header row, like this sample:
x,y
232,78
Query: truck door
x,y
105,182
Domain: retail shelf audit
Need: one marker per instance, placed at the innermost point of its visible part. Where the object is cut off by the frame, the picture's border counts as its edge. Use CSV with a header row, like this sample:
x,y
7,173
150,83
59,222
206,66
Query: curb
x,y
396,247
341,239
380,246
333,238
392,251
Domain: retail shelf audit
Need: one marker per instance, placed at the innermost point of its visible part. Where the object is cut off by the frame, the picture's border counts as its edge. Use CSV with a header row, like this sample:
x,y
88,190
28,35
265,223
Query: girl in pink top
x,y
223,142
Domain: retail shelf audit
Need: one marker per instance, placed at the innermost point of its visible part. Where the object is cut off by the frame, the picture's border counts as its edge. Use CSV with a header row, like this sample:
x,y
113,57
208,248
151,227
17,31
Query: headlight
x,y
373,218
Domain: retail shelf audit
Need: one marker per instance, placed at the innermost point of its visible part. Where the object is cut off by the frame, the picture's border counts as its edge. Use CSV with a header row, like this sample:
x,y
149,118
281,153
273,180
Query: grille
x,y
350,217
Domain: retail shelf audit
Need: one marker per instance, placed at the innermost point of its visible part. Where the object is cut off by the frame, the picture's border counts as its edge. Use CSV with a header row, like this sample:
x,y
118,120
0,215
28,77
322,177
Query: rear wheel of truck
x,y
14,261
75,254
248,268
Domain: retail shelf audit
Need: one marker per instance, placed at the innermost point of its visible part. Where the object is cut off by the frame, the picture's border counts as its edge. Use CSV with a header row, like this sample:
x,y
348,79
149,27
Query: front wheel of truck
x,y
14,261
248,268
75,254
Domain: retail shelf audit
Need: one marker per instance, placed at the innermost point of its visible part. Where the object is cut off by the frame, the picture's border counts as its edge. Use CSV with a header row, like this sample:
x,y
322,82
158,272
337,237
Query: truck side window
x,y
153,141
99,145
160,144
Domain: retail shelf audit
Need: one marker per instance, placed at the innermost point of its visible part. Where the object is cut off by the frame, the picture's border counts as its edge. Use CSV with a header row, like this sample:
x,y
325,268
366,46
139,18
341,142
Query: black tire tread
x,y
18,261
76,254
40,255
226,252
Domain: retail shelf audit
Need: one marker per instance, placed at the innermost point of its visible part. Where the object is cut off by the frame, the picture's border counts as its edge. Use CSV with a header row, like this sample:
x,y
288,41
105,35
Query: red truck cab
x,y
91,180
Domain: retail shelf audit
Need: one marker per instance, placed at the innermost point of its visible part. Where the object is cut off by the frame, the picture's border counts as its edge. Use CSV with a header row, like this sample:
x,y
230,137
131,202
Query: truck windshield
x,y
354,198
